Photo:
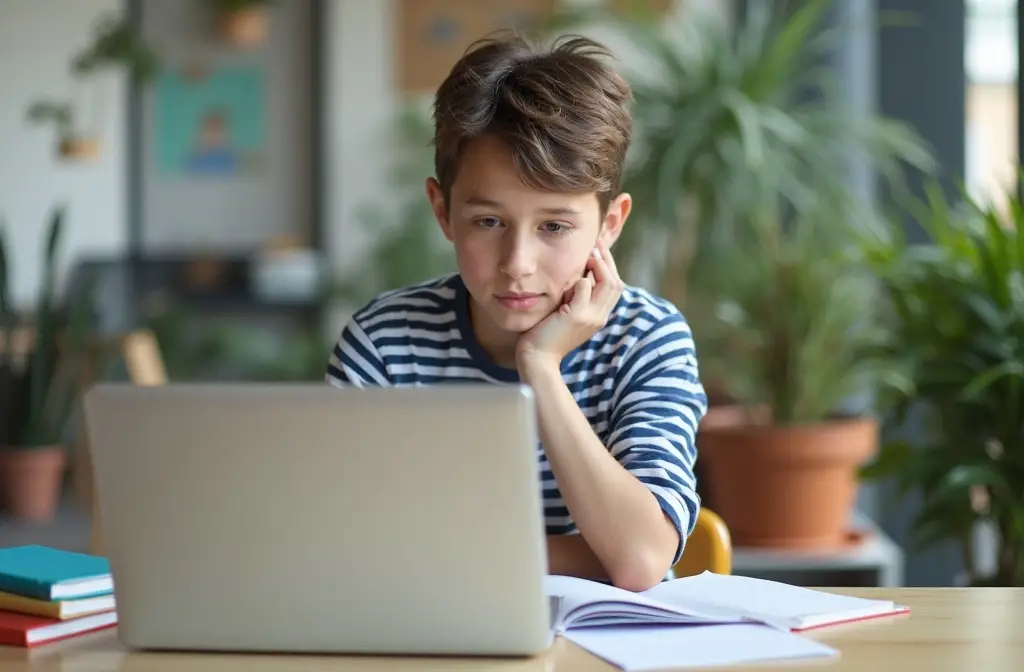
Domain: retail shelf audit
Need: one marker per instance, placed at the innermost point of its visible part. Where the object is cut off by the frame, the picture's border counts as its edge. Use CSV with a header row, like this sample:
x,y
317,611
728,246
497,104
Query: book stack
x,y
49,594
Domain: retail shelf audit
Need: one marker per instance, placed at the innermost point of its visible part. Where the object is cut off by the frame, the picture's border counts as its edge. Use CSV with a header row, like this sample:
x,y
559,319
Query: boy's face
x,y
519,250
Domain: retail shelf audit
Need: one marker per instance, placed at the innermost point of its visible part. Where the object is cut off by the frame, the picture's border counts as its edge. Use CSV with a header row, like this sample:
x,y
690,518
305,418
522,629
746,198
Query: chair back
x,y
709,548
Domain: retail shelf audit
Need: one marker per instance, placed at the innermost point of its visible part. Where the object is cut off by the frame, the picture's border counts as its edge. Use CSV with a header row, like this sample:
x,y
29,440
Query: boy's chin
x,y
514,321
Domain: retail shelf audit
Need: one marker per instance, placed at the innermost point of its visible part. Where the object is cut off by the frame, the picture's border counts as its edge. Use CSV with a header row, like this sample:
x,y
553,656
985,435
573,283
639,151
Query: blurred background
x,y
205,190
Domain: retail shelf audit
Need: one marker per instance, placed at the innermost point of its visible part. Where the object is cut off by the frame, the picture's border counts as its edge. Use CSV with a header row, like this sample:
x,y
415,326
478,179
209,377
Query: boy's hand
x,y
585,310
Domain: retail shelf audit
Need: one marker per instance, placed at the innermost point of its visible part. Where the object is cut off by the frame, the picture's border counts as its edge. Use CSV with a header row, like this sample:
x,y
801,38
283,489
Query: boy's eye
x,y
556,228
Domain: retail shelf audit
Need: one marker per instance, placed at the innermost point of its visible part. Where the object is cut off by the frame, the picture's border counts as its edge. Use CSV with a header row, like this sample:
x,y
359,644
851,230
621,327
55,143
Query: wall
x,y
37,41
359,100
232,212
929,53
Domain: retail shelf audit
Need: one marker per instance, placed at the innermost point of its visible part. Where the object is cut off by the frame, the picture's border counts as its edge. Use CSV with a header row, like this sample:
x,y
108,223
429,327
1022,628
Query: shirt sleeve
x,y
658,403
355,361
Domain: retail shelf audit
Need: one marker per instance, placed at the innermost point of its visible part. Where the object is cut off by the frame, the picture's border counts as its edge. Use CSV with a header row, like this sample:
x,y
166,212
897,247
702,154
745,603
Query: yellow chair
x,y
709,548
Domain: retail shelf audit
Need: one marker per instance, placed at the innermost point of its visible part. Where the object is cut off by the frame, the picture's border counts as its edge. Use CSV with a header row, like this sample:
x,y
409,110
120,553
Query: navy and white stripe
x,y
636,380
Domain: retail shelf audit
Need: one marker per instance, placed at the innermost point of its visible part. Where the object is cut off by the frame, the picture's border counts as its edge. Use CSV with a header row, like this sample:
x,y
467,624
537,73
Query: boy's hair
x,y
561,112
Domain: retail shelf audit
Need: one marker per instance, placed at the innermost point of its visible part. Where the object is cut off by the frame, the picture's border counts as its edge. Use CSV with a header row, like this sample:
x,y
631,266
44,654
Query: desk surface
x,y
948,629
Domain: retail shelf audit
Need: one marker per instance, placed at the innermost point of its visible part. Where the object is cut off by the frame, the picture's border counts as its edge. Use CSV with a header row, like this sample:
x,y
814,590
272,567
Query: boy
x,y
529,147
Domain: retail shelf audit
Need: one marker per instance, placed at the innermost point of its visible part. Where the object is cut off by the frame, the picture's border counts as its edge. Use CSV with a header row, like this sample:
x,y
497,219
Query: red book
x,y
28,631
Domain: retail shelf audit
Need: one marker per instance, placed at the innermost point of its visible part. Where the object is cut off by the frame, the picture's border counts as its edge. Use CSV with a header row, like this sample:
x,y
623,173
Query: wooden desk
x,y
952,629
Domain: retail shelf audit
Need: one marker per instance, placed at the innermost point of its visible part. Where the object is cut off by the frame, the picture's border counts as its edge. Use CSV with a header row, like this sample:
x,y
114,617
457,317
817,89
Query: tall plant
x,y
39,386
788,317
787,326
956,311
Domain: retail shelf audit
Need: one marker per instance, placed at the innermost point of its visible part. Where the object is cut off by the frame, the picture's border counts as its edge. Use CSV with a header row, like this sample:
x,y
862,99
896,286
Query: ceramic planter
x,y
786,487
31,480
86,149
723,414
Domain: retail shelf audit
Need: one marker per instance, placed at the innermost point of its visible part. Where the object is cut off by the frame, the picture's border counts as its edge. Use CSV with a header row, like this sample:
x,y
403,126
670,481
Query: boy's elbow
x,y
641,569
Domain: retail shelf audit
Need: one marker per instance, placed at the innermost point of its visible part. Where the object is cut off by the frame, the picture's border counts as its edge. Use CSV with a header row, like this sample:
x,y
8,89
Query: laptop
x,y
306,518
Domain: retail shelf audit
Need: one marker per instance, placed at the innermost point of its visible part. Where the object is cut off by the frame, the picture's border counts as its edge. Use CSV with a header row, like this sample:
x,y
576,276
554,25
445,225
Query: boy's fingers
x,y
582,293
602,273
609,259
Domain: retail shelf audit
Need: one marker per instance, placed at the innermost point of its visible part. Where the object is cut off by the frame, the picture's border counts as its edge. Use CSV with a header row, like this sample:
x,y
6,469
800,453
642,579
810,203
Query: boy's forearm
x,y
619,518
570,555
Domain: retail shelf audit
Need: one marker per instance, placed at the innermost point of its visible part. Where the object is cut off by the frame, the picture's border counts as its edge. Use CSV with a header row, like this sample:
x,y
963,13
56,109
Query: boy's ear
x,y
436,197
615,218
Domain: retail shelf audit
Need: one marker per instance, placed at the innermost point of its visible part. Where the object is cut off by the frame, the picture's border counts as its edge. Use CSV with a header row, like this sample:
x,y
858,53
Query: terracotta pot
x,y
31,479
735,415
79,148
723,415
786,487
244,26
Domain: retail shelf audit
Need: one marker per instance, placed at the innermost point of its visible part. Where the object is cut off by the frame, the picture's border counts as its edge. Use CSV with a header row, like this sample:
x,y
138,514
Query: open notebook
x,y
707,599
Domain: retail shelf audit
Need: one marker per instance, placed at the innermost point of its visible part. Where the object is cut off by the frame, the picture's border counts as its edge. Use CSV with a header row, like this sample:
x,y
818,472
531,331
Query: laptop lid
x,y
307,518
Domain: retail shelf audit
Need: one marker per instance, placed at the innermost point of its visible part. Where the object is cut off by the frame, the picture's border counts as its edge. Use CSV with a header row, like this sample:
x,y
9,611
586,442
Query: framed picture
x,y
210,122
432,35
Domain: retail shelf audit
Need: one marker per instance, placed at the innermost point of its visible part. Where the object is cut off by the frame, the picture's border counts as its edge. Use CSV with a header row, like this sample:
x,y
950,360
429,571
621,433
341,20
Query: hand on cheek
x,y
586,275
585,309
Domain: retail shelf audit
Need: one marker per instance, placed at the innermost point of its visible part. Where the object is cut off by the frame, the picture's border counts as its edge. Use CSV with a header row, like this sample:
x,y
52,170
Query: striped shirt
x,y
635,380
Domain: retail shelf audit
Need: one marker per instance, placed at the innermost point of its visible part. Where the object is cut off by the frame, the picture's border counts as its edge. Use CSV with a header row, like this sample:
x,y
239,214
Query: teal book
x,y
53,574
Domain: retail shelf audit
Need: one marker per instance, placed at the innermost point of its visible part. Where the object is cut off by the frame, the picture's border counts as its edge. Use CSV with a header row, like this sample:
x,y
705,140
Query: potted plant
x,y
788,331
719,104
78,124
242,22
42,356
955,307
73,142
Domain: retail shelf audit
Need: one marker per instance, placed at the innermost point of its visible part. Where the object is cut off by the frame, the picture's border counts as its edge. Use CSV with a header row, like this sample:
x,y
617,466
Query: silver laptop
x,y
304,518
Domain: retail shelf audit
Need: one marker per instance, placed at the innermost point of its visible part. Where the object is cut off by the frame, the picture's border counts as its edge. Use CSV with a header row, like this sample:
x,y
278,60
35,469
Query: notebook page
x,y
782,604
663,647
580,598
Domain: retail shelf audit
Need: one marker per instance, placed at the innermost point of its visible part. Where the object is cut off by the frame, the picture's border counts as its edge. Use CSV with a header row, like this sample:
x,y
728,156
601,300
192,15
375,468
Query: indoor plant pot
x,y
787,486
79,148
43,353
751,222
79,123
31,480
786,330
723,413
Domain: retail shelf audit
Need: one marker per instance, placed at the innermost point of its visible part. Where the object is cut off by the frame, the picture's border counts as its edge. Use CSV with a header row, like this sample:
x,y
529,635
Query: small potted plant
x,y
42,356
955,307
242,22
78,126
73,141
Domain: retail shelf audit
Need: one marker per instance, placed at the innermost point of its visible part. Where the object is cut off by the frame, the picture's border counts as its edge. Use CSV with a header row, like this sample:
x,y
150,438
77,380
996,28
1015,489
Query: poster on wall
x,y
433,34
210,121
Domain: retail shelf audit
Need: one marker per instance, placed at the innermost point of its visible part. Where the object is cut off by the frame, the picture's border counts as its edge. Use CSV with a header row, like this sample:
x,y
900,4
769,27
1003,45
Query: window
x,y
990,54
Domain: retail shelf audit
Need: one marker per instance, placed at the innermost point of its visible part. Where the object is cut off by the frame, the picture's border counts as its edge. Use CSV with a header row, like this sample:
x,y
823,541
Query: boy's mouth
x,y
518,300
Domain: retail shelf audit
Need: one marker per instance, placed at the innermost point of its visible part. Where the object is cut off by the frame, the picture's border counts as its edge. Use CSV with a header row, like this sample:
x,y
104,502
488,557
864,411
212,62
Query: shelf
x,y
878,555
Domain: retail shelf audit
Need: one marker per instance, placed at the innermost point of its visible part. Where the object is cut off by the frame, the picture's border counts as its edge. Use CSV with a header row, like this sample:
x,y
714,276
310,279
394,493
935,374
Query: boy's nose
x,y
518,259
